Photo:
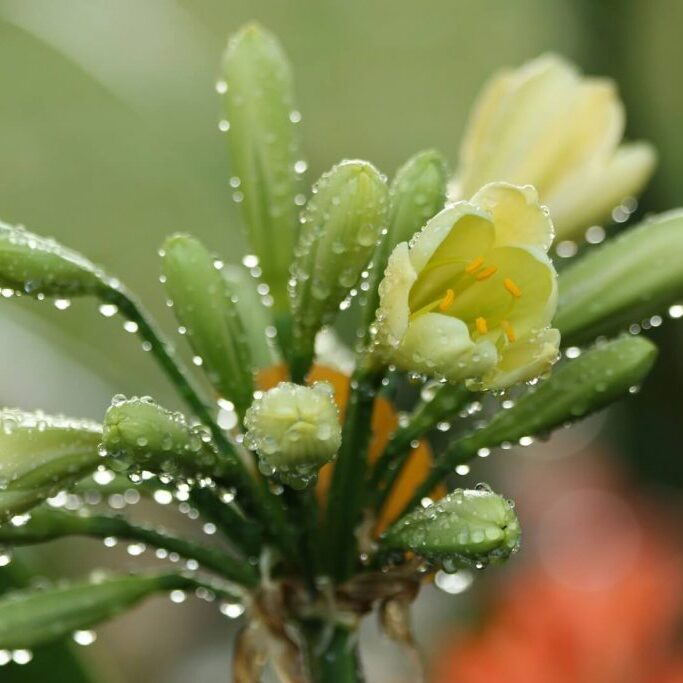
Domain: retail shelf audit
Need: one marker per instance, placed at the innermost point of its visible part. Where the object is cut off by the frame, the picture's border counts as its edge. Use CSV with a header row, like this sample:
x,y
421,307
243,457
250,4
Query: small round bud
x,y
467,527
295,431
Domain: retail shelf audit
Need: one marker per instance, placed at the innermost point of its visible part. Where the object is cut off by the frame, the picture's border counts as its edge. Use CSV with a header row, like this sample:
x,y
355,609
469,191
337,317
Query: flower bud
x,y
417,192
40,455
39,266
204,306
295,431
630,277
341,226
35,617
264,149
258,323
140,433
467,527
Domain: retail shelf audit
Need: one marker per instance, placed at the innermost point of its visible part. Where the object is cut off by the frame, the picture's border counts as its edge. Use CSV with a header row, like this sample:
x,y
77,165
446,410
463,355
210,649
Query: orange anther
x,y
474,265
512,288
448,299
486,273
481,325
509,332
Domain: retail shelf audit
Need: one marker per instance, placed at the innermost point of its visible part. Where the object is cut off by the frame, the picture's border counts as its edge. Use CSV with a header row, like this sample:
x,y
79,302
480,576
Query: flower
x,y
547,125
295,431
473,294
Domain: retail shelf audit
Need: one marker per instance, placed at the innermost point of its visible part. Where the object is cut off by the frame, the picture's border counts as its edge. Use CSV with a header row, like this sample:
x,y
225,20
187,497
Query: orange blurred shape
x,y
384,423
543,630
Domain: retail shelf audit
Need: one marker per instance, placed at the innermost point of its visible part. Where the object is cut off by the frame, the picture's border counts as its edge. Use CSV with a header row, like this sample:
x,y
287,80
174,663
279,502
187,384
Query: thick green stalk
x,y
46,525
331,657
347,489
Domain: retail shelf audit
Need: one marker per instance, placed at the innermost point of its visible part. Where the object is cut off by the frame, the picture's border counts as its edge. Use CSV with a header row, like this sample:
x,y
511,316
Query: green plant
x,y
468,303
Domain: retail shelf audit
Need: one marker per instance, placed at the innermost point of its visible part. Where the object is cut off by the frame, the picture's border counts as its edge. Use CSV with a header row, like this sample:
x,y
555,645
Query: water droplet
x,y
130,326
84,638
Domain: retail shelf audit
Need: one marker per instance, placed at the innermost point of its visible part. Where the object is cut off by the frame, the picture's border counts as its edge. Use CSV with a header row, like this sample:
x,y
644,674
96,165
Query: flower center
x,y
475,272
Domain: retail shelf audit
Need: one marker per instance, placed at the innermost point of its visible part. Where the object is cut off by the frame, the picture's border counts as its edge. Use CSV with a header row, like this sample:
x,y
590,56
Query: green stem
x,y
46,525
260,500
304,516
347,489
332,656
444,403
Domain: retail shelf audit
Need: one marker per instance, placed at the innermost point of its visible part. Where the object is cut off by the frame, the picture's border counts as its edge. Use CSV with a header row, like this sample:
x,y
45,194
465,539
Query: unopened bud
x,y
467,527
40,455
295,431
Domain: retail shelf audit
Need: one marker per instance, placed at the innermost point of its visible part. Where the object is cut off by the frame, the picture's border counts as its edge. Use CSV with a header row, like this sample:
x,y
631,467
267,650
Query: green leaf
x,y
42,454
203,305
54,662
32,618
473,526
341,227
581,386
264,149
629,278
39,266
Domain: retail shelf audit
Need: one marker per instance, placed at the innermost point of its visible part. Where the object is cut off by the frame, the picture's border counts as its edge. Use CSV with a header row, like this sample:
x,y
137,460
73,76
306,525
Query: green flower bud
x,y
630,277
264,149
40,267
417,193
581,386
467,527
258,322
341,226
295,431
40,455
35,617
140,433
204,306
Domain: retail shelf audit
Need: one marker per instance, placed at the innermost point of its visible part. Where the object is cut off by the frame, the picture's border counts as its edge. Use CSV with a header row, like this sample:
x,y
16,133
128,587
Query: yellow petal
x,y
437,344
532,272
449,242
518,217
589,197
510,143
530,357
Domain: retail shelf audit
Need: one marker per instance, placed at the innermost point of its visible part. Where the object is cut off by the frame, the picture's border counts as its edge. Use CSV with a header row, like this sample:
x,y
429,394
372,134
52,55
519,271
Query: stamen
x,y
447,300
481,325
509,332
512,288
486,273
474,265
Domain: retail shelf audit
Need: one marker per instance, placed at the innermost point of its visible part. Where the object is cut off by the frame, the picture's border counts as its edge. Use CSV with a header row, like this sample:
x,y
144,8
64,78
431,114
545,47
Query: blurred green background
x,y
109,141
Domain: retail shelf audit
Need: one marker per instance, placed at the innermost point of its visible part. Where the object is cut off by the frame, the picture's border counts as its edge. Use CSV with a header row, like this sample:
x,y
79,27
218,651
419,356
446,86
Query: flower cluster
x,y
457,294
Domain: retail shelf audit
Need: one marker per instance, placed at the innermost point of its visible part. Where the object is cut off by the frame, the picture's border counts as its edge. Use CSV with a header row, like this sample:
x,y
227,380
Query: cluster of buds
x,y
453,285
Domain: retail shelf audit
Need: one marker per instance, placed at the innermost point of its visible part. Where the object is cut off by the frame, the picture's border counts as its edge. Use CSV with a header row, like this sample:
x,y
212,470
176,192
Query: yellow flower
x,y
473,294
547,125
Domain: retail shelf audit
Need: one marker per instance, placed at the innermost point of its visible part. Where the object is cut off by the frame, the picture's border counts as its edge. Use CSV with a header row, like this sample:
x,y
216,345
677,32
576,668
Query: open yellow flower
x,y
473,294
547,125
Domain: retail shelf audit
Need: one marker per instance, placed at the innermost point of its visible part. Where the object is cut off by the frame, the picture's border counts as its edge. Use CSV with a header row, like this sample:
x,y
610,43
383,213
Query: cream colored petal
x,y
441,252
532,272
526,359
518,218
393,312
589,132
515,142
440,345
588,197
